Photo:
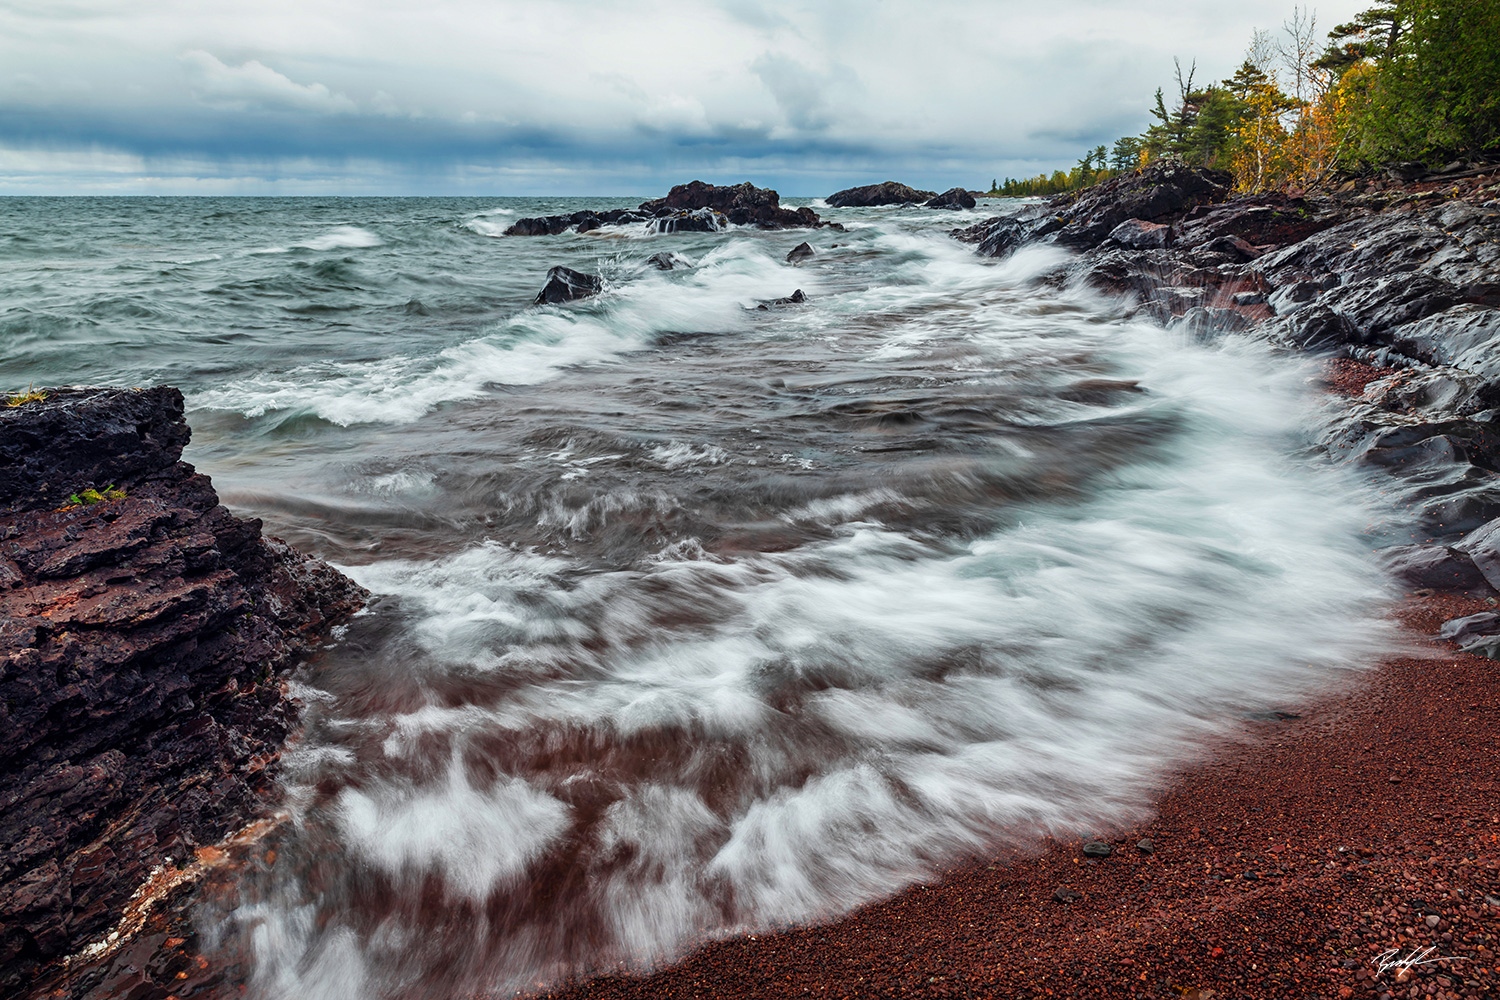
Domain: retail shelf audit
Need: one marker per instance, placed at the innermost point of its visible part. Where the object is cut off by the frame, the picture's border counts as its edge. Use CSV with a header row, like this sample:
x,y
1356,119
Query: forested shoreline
x,y
1409,85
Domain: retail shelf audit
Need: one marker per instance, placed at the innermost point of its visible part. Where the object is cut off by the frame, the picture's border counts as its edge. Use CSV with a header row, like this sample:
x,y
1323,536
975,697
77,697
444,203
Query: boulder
x,y
1437,567
802,251
549,225
1486,623
1482,545
888,193
565,284
954,198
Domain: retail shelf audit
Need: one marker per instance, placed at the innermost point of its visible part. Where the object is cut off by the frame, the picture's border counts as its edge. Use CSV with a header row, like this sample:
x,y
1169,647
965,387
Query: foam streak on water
x,y
695,618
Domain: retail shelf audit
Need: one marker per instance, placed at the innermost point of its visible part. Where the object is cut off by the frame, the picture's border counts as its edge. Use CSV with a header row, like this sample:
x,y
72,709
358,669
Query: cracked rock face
x,y
141,715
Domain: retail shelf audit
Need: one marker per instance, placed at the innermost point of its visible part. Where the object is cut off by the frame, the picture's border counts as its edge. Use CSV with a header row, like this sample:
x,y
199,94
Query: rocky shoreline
x,y
145,629
1404,276
144,634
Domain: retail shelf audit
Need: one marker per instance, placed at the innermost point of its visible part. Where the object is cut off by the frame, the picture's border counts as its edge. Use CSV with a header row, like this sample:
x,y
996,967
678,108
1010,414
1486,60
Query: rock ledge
x,y
141,638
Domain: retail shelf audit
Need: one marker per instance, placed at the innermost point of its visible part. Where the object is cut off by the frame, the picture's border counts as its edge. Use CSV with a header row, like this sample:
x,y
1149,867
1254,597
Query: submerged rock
x,y
802,251
887,193
565,284
141,707
667,261
794,299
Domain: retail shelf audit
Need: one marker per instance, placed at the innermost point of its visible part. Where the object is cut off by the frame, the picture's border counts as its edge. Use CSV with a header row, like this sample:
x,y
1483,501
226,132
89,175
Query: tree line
x,y
1406,81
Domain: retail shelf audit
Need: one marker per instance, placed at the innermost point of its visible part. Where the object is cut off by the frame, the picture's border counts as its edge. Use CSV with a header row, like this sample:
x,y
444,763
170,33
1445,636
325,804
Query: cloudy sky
x,y
584,96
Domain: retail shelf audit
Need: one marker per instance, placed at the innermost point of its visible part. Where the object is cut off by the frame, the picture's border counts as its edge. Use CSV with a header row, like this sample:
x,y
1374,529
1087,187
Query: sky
x,y
557,97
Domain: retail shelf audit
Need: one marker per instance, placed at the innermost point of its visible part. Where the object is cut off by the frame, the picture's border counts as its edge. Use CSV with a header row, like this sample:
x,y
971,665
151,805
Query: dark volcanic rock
x,y
1141,235
801,251
743,204
1272,220
952,198
1162,192
549,225
888,193
694,207
582,222
1482,545
701,220
565,284
81,440
794,299
1436,566
141,715
1396,281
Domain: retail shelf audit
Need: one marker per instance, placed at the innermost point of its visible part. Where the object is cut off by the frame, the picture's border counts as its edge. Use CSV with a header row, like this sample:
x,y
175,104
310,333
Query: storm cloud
x,y
585,96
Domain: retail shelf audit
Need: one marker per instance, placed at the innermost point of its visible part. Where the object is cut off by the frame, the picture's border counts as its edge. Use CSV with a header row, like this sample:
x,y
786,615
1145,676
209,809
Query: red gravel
x,y
1283,868
1347,377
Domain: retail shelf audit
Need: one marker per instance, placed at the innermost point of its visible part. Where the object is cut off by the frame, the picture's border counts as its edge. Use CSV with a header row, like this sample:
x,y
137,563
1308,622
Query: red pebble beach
x,y
1320,858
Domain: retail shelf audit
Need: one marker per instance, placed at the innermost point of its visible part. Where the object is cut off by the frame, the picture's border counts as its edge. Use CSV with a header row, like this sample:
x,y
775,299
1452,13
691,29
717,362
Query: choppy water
x,y
696,618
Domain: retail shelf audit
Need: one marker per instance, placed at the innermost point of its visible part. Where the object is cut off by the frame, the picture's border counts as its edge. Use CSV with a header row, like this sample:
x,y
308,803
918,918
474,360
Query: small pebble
x,y
1066,895
1146,847
1097,849
1433,920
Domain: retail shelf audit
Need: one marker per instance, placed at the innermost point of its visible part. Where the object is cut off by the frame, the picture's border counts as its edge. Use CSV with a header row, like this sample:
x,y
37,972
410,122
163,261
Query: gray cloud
x,y
550,96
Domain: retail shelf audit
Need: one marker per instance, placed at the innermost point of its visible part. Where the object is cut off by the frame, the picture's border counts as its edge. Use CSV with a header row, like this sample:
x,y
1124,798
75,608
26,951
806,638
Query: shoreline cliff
x,y
144,633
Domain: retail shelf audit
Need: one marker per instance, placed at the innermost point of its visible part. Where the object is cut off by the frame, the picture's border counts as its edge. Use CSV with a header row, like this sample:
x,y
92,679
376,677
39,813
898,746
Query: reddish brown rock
x,y
141,638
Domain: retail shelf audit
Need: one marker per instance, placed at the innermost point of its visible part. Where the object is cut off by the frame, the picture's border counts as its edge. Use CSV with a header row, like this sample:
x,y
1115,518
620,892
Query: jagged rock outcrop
x,y
953,198
1405,277
141,642
693,207
887,193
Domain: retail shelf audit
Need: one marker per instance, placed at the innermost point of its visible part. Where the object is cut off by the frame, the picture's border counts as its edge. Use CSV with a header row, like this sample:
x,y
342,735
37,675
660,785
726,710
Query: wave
x,y
712,742
339,238
532,346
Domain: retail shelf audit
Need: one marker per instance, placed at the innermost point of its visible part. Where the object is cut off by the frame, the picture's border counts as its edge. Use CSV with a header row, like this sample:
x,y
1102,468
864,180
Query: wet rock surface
x,y
694,207
1398,279
141,642
886,193
565,285
954,198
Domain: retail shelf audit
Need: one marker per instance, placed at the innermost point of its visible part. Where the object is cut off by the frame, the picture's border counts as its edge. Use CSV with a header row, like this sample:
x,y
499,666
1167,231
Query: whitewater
x,y
693,618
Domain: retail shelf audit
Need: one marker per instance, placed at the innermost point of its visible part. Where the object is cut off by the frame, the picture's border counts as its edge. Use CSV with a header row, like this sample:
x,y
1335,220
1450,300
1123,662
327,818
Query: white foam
x,y
685,455
889,703
343,238
338,238
477,838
